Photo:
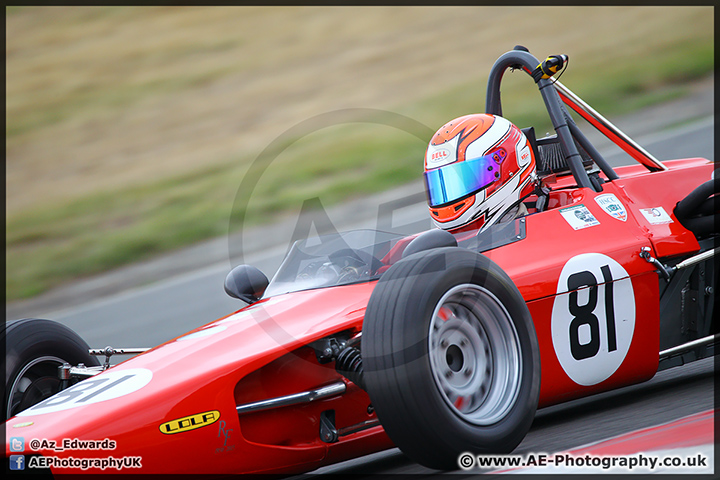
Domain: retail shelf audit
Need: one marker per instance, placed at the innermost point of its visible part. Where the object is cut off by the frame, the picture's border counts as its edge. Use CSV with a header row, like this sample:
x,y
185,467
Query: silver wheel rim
x,y
25,378
475,354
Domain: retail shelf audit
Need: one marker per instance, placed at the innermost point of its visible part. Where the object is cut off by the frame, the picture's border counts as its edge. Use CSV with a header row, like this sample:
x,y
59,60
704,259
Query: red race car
x,y
437,343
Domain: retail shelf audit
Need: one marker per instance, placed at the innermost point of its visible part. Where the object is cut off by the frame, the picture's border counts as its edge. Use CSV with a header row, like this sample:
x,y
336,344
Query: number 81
x,y
583,314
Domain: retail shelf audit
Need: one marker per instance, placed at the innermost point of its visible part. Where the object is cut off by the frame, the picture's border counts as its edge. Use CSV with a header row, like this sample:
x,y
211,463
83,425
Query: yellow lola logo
x,y
191,422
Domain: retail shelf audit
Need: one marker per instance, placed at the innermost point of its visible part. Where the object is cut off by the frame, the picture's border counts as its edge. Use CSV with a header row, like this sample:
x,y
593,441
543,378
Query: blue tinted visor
x,y
458,180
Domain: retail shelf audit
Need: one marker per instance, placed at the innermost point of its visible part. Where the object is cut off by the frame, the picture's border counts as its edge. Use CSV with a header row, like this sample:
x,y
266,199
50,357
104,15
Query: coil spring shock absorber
x,y
349,365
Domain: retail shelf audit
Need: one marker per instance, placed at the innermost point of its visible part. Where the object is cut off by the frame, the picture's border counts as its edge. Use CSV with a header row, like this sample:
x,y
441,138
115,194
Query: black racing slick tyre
x,y
451,358
34,349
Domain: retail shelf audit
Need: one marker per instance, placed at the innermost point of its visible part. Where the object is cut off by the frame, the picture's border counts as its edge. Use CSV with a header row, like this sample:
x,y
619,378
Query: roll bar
x,y
526,61
555,99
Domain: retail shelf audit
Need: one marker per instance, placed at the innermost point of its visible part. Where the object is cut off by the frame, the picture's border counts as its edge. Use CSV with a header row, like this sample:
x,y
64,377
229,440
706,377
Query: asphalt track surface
x,y
146,316
671,394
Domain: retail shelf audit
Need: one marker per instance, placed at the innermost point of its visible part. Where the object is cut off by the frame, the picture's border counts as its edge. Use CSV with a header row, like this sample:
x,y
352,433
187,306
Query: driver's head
x,y
476,168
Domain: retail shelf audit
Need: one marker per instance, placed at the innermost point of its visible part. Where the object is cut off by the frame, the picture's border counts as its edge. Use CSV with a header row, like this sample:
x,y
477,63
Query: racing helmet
x,y
476,168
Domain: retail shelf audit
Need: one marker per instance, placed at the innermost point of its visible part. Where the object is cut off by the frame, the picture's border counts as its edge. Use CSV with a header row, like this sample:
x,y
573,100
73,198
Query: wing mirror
x,y
246,283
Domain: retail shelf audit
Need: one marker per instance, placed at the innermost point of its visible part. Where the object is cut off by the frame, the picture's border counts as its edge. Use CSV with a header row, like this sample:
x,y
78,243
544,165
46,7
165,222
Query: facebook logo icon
x,y
17,462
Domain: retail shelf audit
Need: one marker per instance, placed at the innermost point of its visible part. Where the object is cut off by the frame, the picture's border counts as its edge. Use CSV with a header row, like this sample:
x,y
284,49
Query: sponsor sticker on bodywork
x,y
578,217
23,424
656,215
612,206
191,422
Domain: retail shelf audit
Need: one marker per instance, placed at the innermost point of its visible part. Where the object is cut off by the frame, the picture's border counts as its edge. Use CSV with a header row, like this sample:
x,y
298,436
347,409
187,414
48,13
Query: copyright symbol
x,y
34,444
466,461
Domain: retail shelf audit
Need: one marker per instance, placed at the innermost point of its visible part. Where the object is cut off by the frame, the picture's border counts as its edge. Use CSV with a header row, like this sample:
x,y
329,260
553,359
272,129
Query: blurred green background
x,y
129,129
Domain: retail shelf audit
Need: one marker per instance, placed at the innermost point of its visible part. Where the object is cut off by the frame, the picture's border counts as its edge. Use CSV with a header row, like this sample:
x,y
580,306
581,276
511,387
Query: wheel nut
x,y
468,372
448,374
443,343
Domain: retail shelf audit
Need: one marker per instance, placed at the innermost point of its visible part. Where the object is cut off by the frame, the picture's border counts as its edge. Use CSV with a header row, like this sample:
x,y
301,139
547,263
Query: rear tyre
x,y
451,358
34,351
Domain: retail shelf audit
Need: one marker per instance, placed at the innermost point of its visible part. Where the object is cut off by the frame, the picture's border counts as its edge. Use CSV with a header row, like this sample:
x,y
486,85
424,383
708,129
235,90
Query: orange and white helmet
x,y
476,168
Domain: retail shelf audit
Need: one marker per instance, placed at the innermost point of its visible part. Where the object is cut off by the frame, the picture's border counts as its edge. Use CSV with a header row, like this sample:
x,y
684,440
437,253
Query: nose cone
x,y
173,409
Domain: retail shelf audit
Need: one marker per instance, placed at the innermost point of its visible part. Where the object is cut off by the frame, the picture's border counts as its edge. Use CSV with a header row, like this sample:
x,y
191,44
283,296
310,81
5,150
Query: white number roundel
x,y
105,386
593,317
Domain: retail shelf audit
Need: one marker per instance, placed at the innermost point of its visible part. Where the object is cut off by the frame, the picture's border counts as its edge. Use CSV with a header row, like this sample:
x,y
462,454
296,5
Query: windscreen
x,y
335,259
364,255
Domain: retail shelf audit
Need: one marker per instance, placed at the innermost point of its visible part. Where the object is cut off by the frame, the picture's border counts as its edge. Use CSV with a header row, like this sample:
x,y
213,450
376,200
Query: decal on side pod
x,y
656,215
593,317
191,422
105,386
612,206
578,217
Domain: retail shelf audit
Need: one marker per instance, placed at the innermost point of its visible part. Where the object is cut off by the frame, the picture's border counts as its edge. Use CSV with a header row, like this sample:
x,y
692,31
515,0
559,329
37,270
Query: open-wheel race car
x,y
438,343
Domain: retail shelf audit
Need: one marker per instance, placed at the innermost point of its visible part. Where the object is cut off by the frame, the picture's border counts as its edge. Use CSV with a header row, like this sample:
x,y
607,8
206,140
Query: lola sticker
x,y
578,217
191,422
612,206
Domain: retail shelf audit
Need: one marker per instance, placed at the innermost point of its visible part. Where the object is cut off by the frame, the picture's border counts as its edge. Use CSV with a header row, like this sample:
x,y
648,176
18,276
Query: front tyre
x,y
34,350
451,358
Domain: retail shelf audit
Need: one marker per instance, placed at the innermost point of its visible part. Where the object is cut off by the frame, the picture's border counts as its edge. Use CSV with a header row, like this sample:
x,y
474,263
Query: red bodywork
x,y
262,351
